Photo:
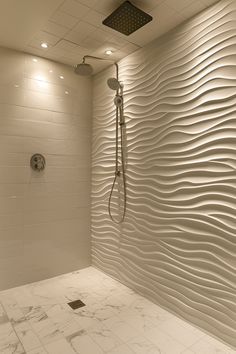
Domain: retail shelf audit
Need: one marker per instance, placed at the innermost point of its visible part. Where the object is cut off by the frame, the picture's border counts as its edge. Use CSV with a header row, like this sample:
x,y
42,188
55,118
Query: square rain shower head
x,y
127,18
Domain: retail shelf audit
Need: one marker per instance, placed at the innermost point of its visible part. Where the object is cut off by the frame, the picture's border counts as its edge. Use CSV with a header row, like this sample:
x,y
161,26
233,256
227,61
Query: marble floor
x,y
35,319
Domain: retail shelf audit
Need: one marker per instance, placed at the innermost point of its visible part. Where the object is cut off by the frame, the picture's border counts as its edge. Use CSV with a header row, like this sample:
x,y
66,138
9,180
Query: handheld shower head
x,y
113,84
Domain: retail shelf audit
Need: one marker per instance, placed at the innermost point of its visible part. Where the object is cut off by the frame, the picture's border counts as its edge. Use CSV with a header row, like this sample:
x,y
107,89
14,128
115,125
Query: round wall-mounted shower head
x,y
113,84
84,69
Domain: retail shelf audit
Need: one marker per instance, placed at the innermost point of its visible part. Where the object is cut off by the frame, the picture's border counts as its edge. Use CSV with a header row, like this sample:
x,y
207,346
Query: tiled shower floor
x,y
36,319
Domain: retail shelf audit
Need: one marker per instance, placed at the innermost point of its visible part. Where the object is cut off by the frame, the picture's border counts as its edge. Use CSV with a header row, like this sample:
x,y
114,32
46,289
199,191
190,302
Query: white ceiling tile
x,y
56,51
47,37
63,19
80,51
111,45
129,48
147,5
100,35
94,18
180,4
120,42
80,32
54,28
89,3
76,37
91,43
65,45
119,54
100,52
74,8
106,7
84,27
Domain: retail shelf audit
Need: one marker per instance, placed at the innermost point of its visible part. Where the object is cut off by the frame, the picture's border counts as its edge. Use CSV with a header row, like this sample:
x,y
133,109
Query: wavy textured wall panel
x,y
177,245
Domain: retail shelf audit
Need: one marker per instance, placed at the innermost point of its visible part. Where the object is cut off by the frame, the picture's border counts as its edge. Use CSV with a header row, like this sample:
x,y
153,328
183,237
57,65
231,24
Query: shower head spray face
x,y
113,84
84,69
127,18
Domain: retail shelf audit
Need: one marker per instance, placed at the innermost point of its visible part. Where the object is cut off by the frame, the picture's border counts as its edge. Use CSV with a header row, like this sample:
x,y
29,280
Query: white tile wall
x,y
44,218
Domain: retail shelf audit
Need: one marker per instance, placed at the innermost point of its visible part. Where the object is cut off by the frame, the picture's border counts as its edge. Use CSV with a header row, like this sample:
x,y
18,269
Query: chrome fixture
x,y
83,68
38,162
113,83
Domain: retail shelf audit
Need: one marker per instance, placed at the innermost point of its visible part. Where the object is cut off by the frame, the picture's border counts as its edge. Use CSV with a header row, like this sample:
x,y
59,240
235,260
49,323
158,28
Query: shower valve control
x,y
37,162
118,101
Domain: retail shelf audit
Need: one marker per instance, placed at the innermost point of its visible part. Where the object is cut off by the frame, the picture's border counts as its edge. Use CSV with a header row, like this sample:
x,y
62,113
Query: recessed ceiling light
x,y
44,45
50,71
35,60
67,92
61,77
108,52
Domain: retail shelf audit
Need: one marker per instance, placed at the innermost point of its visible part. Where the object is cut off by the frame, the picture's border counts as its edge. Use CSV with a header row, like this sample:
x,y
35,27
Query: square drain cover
x,y
76,304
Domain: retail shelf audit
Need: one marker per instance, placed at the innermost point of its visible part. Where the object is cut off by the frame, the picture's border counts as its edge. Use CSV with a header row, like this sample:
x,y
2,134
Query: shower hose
x,y
119,170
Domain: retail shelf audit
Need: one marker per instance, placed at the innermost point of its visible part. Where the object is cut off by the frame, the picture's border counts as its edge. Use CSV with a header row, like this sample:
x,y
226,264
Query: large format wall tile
x,y
44,217
178,243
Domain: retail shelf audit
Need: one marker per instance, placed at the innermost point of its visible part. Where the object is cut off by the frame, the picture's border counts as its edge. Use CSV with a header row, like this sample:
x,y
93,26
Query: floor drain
x,y
76,304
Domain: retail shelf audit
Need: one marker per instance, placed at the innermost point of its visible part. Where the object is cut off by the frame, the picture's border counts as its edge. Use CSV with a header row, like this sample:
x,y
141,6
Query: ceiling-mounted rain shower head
x,y
113,84
84,69
127,18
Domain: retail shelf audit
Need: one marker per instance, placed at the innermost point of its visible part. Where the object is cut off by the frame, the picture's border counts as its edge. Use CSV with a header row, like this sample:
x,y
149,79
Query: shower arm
x,y
97,58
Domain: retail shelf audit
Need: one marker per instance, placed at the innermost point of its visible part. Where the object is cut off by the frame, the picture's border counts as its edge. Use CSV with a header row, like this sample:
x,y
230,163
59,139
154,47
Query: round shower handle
x,y
37,162
118,100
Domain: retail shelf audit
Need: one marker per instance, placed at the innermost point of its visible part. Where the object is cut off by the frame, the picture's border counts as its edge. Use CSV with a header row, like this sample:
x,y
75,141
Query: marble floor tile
x,y
12,309
86,318
59,347
181,331
104,337
121,329
122,349
9,342
40,350
47,331
164,342
141,345
3,316
67,326
56,310
34,314
141,322
26,335
82,343
36,319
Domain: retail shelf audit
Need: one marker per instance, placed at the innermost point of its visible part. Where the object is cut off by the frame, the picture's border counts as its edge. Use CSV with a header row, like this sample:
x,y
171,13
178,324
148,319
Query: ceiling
x,y
73,28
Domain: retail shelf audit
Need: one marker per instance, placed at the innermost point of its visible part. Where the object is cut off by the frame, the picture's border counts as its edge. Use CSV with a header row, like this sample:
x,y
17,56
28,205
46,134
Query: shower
x,y
114,84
